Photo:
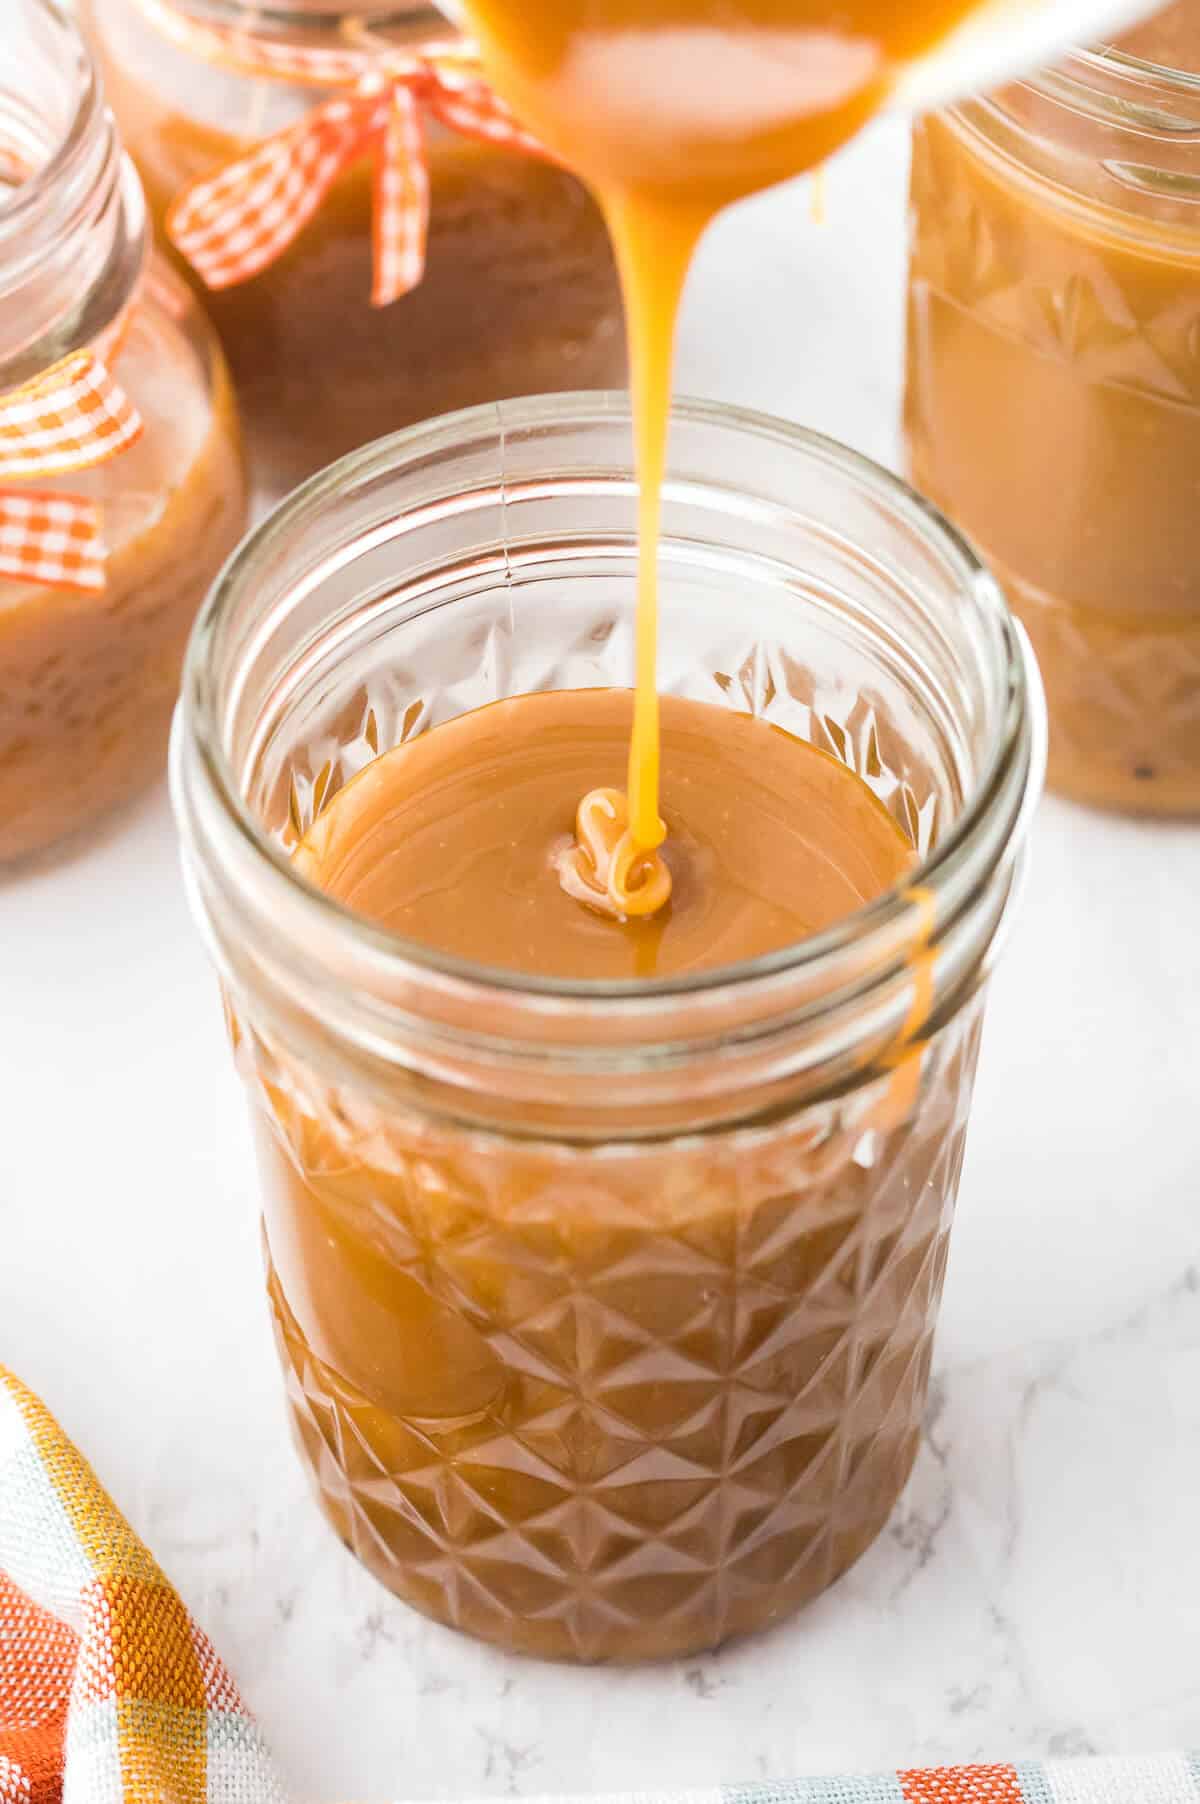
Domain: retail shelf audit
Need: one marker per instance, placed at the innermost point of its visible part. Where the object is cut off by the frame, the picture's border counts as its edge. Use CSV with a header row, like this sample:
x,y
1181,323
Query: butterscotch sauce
x,y
519,294
454,839
88,683
672,109
617,1400
1053,396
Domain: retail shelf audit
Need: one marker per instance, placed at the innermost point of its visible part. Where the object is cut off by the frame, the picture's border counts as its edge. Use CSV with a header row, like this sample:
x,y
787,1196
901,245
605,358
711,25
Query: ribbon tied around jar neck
x,y
234,223
72,416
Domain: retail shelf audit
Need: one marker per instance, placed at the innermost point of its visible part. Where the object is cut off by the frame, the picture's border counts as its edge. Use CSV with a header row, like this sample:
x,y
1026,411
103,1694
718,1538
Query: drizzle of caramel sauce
x,y
671,110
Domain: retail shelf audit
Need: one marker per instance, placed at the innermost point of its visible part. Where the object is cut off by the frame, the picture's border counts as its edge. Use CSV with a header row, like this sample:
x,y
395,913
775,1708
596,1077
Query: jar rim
x,y
1018,734
73,239
1095,78
75,142
1110,59
305,15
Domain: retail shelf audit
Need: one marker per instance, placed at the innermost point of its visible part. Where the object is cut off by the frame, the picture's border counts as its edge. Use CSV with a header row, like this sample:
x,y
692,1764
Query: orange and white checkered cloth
x,y
236,222
109,1694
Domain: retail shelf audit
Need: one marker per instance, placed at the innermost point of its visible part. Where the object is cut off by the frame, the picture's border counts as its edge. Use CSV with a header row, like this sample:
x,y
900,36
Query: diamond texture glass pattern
x,y
606,1328
613,1403
1053,411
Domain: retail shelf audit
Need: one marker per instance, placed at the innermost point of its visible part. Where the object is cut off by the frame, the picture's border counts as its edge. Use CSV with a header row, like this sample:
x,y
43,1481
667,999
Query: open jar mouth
x,y
72,218
526,493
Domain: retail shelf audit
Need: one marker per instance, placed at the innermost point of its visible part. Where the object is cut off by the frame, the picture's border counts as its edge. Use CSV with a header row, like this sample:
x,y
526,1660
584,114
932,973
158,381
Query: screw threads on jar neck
x,y
72,218
271,16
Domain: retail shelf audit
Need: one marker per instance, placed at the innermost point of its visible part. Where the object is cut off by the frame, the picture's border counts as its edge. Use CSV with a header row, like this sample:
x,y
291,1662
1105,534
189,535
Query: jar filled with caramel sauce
x,y
519,293
1053,394
604,1284
88,677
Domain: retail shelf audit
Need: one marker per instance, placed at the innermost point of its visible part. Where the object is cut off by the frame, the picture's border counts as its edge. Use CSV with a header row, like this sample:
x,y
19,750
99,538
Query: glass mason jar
x,y
88,680
1053,399
605,1310
519,294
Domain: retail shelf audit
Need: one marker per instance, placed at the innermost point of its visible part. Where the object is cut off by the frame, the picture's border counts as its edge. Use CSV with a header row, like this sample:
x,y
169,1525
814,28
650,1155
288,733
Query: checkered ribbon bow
x,y
235,223
71,417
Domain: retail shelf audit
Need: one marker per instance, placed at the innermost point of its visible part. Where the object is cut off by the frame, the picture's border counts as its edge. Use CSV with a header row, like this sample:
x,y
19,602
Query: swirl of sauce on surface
x,y
605,868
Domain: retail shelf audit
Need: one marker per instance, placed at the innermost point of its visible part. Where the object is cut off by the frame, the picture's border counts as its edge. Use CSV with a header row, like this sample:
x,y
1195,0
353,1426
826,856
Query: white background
x,y
1039,1589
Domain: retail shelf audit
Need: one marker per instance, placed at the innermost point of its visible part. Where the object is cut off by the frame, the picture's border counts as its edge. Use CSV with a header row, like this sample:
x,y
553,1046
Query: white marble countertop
x,y
1038,1591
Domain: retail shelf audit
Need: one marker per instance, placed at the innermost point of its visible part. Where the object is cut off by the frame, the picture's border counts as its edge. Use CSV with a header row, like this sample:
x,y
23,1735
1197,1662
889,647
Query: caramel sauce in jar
x,y
89,675
88,683
1053,395
519,294
617,1404
605,1254
672,110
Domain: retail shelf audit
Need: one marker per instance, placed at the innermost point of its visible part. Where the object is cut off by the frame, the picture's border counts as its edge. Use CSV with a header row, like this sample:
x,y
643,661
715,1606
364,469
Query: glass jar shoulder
x,y
1066,272
1023,161
188,457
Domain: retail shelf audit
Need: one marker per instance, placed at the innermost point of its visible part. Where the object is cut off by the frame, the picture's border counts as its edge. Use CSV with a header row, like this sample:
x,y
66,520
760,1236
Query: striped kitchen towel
x,y
109,1694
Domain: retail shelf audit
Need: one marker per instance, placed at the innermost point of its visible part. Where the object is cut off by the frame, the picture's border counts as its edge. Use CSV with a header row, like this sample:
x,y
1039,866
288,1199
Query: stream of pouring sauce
x,y
671,110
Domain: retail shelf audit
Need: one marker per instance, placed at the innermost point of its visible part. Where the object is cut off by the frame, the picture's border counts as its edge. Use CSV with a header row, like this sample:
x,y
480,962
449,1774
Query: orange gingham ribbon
x,y
71,417
236,222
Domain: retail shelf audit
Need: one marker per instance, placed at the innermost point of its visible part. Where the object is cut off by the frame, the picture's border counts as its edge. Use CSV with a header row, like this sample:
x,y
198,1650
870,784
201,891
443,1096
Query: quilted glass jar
x,y
89,675
519,294
605,1311
1053,397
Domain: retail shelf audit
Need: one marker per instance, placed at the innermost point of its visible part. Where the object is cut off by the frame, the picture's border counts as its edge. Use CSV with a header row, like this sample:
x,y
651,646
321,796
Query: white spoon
x,y
998,40
1004,38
